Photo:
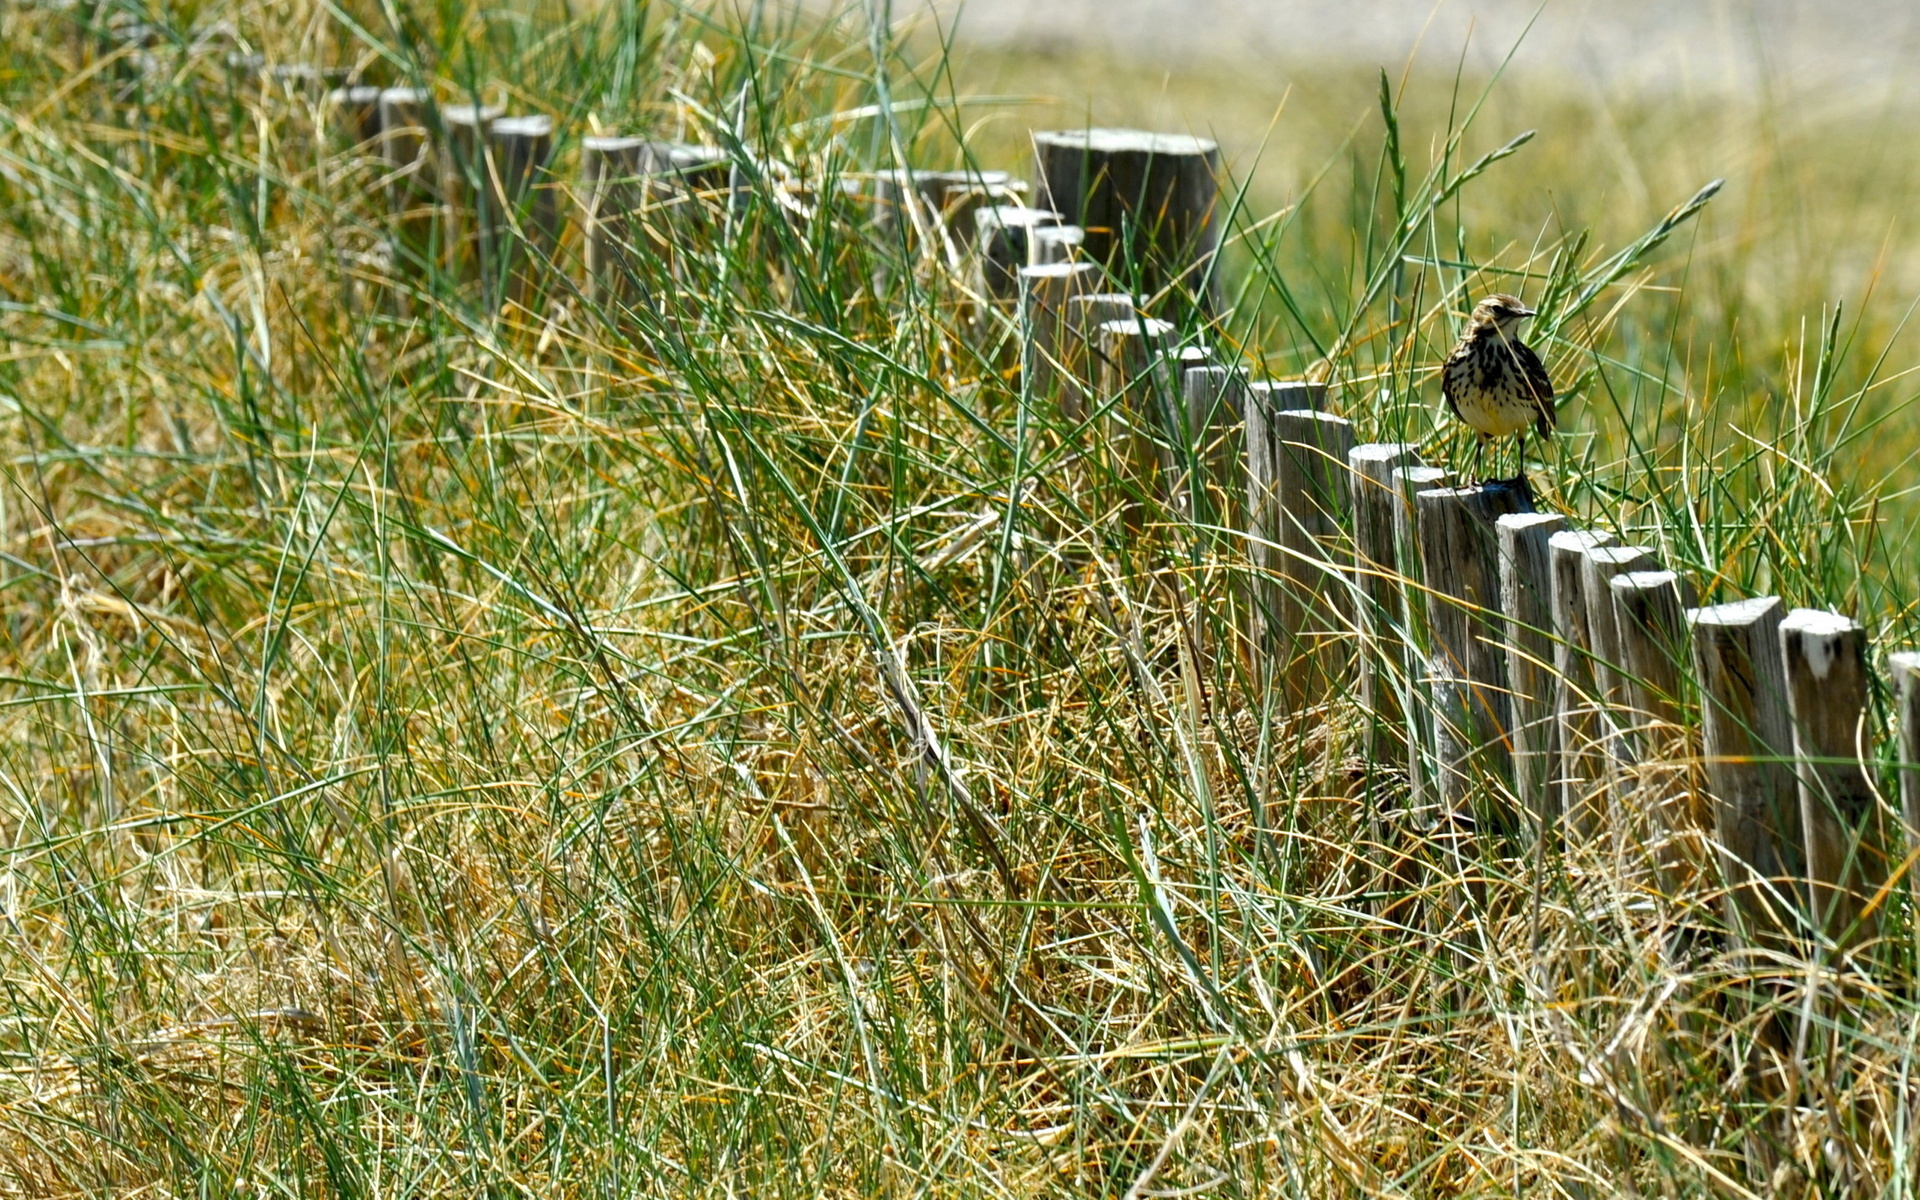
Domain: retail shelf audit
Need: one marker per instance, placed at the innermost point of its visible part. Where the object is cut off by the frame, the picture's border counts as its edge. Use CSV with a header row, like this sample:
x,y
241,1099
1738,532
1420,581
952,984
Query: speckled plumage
x,y
1494,383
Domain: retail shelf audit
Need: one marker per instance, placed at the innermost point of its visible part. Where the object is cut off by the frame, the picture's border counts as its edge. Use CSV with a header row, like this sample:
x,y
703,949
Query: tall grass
x,y
731,744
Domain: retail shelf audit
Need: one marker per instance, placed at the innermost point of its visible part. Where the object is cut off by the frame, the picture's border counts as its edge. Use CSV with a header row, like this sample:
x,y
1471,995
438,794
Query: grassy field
x,y
730,747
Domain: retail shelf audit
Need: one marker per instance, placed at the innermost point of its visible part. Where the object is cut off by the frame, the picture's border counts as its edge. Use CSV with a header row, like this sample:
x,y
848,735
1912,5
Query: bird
x,y
1494,382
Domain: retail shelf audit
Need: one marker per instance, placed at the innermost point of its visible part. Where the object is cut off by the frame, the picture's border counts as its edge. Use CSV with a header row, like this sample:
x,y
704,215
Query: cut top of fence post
x,y
1825,656
353,113
1526,597
1370,480
1905,668
1147,200
1459,554
1055,243
1746,738
1598,565
1003,234
1651,627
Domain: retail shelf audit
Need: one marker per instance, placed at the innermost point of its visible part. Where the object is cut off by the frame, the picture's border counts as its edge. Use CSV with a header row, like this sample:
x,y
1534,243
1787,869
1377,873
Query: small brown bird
x,y
1493,382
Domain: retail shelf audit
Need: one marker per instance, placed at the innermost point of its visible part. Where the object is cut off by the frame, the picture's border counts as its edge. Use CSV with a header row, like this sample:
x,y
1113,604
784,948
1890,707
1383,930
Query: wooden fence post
x,y
465,193
1045,291
1616,748
1416,699
353,115
1077,363
1460,557
1825,655
1526,597
612,194
1906,695
1377,589
1148,201
1003,242
1055,243
1746,740
413,192
1309,449
525,222
1573,691
1133,379
1214,399
1650,625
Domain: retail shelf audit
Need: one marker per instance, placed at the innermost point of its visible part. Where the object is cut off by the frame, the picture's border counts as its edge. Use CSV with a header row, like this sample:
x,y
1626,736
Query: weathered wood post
x,y
1617,747
936,206
1149,203
1377,589
1214,399
1650,625
353,115
465,190
1906,697
1416,697
1905,671
1460,557
522,223
1055,243
1746,739
1573,694
1045,291
1825,655
1133,379
1309,453
1077,365
612,194
1526,597
413,192
1265,398
1003,241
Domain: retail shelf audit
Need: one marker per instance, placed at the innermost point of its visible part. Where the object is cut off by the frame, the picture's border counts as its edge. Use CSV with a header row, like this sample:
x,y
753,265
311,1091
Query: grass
x,y
730,745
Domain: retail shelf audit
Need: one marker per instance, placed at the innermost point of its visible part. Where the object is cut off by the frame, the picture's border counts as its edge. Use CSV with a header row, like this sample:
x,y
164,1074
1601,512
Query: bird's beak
x,y
1524,312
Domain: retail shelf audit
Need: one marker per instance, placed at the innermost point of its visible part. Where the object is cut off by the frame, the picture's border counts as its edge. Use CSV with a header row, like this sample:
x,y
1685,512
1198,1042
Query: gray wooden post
x,y
413,191
1148,201
1416,699
1376,582
1045,291
1265,398
521,227
1214,399
1309,450
1526,597
1573,694
353,115
1650,628
1746,738
1906,696
612,193
1132,377
1616,748
1077,362
1003,236
1460,558
1055,243
465,191
1825,656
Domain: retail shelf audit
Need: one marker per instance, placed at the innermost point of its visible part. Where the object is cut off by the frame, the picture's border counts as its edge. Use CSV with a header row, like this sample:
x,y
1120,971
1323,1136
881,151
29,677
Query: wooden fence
x,y
1522,671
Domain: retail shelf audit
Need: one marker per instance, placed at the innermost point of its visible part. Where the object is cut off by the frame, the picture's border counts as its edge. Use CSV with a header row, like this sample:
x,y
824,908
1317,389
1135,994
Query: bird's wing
x,y
1539,385
1447,384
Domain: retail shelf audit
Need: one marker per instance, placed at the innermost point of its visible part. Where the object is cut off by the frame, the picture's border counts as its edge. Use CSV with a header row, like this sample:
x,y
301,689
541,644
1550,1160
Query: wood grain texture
x,y
1044,292
1746,742
1825,658
1416,697
1526,600
1905,669
1148,201
1377,590
1573,694
1307,514
1460,560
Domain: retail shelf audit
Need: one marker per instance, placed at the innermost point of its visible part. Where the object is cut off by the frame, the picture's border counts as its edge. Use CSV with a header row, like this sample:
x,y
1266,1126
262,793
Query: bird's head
x,y
1501,311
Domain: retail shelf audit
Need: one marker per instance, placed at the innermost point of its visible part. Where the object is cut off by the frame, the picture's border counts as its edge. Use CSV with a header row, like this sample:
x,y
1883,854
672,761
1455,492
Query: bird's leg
x,y
1520,463
1479,457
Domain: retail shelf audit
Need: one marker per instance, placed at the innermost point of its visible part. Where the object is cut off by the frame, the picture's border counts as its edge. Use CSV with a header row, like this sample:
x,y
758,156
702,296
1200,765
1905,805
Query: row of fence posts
x,y
1523,672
